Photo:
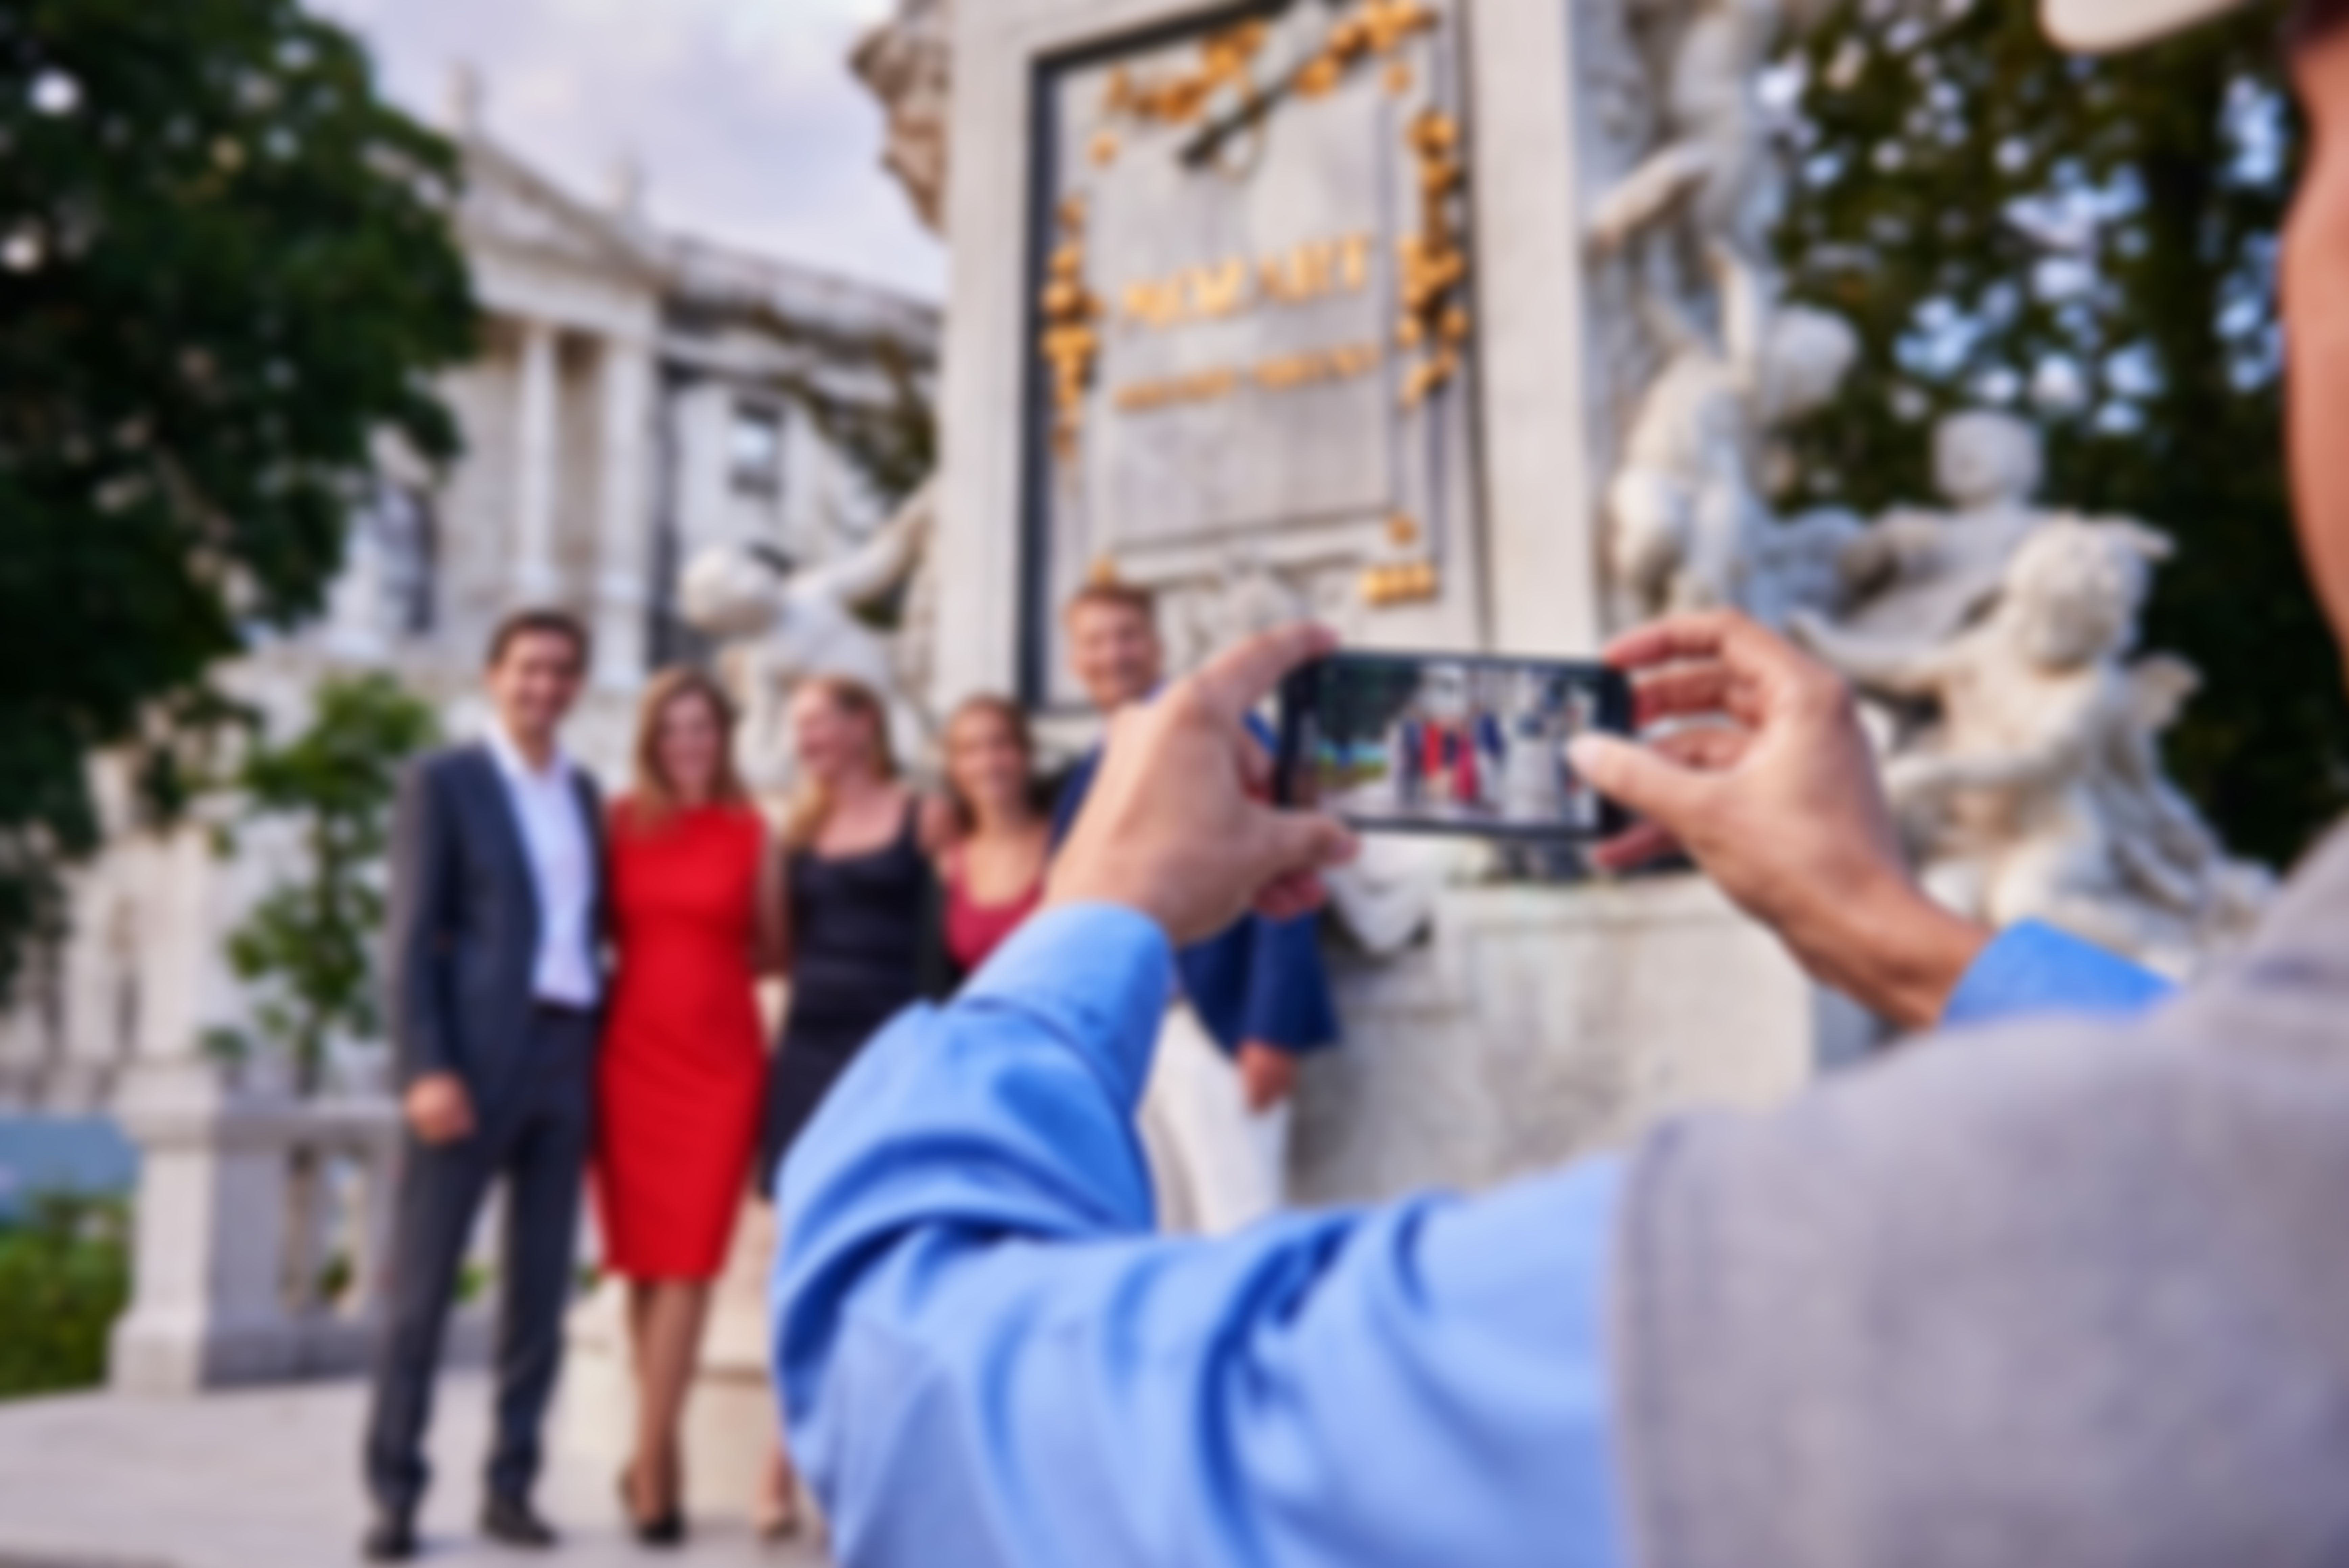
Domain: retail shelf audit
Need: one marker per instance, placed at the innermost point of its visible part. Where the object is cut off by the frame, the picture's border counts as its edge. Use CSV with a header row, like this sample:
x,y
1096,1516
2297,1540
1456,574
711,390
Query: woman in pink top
x,y
994,867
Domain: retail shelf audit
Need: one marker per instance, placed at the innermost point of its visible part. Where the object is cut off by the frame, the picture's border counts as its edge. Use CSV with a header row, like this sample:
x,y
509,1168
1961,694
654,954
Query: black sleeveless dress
x,y
858,929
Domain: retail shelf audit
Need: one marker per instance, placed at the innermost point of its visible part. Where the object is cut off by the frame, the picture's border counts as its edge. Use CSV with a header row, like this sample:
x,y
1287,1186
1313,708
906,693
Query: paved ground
x,y
267,1480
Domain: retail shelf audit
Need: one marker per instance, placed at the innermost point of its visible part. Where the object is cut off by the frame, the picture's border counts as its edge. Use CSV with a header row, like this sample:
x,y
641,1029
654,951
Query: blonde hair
x,y
1111,594
1014,718
652,794
811,804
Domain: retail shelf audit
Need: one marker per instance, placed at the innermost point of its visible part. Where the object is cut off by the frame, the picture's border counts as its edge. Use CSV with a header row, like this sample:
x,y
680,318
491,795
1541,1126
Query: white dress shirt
x,y
560,852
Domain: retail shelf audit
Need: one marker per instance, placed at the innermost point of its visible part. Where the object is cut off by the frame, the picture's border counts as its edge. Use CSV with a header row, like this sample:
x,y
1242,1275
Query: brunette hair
x,y
540,621
813,803
652,794
1111,594
1014,718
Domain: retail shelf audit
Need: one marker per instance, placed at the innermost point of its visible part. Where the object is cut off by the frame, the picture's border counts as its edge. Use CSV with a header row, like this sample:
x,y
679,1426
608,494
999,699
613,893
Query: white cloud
x,y
742,112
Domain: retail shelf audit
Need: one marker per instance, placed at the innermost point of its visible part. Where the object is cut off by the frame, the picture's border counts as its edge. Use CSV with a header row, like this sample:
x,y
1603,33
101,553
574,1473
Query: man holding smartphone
x,y
2061,1282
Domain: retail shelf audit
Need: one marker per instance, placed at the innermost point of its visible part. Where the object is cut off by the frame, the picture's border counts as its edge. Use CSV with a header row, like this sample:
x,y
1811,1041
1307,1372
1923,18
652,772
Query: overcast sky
x,y
742,113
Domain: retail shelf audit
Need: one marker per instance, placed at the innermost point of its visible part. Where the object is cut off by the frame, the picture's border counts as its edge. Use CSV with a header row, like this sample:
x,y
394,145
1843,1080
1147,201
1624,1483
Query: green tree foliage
x,y
64,1276
225,269
307,945
2091,242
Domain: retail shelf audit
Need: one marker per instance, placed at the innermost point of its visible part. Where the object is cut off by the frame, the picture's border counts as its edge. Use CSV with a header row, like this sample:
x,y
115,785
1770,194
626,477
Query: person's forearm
x,y
1892,949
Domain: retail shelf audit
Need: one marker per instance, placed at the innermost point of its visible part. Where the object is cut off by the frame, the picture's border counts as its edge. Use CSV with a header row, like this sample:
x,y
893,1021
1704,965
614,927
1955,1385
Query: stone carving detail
x,y
2023,760
1687,521
1923,575
1070,338
1709,180
907,62
780,625
1689,526
2033,789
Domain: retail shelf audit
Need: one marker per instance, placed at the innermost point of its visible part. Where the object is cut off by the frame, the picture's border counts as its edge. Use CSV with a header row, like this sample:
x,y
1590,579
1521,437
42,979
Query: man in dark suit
x,y
1253,998
495,978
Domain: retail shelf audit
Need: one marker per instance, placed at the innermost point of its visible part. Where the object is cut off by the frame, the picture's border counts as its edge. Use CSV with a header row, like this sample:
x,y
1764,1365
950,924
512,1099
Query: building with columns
x,y
637,395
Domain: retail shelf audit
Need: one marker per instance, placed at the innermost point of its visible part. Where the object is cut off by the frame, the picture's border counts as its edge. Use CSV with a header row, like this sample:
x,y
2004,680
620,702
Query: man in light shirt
x,y
495,976
2059,1283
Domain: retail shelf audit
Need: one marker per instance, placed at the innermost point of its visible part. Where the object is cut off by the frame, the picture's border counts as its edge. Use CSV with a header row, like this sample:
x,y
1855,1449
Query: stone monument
x,y
1360,311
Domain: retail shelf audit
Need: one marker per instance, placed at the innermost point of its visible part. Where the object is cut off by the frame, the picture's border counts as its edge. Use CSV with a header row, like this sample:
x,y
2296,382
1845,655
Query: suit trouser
x,y
1214,1165
536,1137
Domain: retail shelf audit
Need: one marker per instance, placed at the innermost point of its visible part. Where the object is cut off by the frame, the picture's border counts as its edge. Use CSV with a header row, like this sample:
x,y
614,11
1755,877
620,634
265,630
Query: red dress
x,y
681,1078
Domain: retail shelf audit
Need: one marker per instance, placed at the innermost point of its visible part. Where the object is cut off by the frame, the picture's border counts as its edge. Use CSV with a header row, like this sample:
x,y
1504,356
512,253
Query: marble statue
x,y
1924,576
2036,790
1712,175
907,63
779,624
1688,523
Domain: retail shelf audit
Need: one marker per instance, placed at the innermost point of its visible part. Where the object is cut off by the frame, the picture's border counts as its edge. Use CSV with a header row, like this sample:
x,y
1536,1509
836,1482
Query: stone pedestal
x,y
1539,1024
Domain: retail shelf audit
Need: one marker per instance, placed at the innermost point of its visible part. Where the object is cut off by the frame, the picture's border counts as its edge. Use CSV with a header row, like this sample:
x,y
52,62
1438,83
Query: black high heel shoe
x,y
663,1528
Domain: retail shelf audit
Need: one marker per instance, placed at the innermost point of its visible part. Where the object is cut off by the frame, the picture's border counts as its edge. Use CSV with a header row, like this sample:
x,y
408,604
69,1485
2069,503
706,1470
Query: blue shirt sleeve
x,y
2032,967
987,1359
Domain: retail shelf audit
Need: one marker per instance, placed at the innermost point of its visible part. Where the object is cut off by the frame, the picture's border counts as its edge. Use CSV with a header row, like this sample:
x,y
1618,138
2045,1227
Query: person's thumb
x,y
1642,781
1294,841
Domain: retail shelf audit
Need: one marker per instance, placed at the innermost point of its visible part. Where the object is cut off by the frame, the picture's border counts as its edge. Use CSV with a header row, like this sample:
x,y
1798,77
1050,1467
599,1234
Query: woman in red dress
x,y
680,1081
993,868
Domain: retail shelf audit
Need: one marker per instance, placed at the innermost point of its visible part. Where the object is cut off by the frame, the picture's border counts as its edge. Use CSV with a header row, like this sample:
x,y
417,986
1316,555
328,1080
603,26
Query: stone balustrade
x,y
261,1221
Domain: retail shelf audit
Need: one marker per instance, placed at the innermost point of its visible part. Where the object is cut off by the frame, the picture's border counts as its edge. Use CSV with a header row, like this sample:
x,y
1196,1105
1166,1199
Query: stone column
x,y
535,460
1541,483
623,544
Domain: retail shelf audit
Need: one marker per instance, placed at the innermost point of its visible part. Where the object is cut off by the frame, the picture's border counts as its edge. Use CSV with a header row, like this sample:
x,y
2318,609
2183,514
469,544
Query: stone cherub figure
x,y
1923,575
780,624
2038,791
1688,521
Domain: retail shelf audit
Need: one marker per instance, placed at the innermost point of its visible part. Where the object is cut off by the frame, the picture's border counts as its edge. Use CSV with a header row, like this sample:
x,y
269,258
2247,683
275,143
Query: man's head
x,y
1113,644
2315,268
536,661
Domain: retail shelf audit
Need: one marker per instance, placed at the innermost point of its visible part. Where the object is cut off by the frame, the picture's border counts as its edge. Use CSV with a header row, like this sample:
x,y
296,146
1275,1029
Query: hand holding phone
x,y
1447,743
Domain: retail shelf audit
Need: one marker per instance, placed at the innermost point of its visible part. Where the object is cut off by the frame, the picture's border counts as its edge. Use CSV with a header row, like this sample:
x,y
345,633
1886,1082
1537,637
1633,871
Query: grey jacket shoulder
x,y
2056,1291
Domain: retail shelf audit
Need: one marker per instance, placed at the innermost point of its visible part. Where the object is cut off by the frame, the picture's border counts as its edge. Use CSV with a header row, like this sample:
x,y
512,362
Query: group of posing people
x,y
574,994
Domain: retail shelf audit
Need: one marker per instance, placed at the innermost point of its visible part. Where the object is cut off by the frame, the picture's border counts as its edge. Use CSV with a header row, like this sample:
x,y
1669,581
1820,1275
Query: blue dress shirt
x,y
988,1360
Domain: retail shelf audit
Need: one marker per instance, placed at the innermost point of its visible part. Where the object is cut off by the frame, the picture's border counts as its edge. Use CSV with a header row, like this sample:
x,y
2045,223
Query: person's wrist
x,y
1882,940
1070,886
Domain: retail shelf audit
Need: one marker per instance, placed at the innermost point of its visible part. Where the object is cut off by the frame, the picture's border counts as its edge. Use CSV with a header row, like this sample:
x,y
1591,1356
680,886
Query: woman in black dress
x,y
859,899
857,882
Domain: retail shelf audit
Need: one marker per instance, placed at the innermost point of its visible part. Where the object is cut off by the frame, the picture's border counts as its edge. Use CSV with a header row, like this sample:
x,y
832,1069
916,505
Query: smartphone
x,y
1449,743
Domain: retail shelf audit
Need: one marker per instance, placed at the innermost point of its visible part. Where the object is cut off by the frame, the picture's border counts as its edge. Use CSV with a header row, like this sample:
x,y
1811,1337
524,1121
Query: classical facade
x,y
638,396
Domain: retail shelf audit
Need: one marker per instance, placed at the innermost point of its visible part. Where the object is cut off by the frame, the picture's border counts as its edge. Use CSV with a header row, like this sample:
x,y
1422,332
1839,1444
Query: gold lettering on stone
x,y
1215,291
1280,374
1154,304
1218,291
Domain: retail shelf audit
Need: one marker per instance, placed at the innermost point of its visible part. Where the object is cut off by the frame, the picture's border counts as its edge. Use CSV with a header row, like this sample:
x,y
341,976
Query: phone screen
x,y
1449,743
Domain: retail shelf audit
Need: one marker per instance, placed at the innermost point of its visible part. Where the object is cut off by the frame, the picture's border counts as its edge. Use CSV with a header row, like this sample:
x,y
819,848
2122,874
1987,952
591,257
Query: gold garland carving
x,y
1377,30
1180,97
1071,340
1434,261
